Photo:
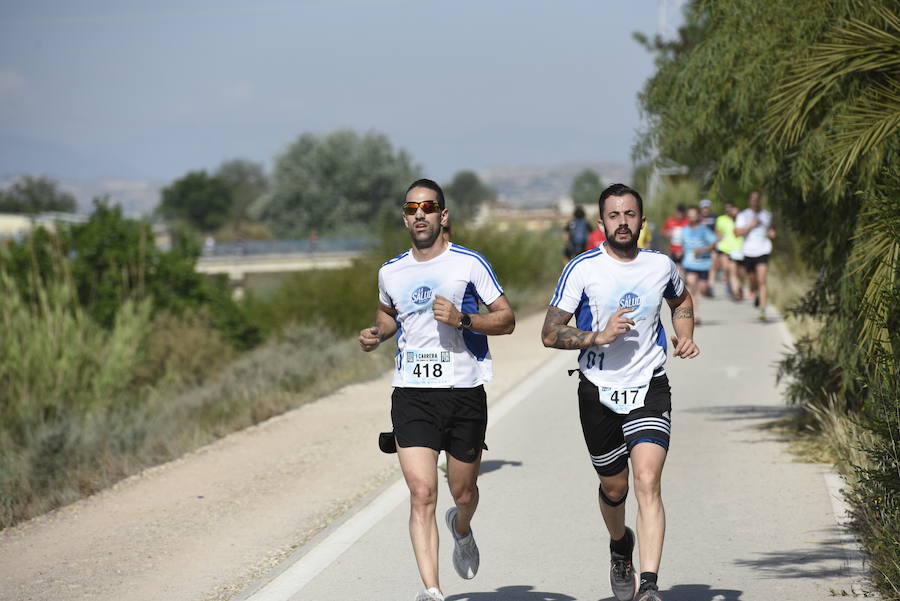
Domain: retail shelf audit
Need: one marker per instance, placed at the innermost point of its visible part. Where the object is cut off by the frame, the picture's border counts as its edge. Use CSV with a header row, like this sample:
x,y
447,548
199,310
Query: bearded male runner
x,y
431,292
615,293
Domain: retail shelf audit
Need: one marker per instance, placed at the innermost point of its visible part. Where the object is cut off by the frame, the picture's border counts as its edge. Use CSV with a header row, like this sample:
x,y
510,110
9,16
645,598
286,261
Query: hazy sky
x,y
123,89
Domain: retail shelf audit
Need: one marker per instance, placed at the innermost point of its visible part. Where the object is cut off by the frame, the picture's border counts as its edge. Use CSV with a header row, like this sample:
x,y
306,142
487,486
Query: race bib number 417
x,y
623,399
428,368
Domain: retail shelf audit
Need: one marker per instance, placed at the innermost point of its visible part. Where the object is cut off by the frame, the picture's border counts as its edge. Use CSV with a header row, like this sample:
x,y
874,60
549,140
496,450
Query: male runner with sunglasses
x,y
430,294
615,293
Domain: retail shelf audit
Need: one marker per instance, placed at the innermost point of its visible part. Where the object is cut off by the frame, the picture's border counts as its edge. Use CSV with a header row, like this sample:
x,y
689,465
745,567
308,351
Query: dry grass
x,y
808,440
788,283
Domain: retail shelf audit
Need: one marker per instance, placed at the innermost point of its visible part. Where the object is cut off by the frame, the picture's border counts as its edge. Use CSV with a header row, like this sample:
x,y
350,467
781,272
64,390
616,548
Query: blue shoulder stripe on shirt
x,y
649,250
484,262
567,271
395,259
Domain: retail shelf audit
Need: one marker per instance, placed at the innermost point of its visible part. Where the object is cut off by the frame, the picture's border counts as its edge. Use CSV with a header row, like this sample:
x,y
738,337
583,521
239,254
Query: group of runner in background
x,y
733,248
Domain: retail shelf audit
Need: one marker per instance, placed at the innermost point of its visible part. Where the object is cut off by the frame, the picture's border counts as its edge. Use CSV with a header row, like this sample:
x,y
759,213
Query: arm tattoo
x,y
683,313
570,338
558,335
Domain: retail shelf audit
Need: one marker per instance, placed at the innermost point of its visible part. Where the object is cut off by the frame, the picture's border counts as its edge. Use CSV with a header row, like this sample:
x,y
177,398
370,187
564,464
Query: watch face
x,y
466,321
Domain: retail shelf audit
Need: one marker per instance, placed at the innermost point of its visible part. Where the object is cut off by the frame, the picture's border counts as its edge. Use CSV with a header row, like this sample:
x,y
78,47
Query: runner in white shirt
x,y
429,296
615,293
755,224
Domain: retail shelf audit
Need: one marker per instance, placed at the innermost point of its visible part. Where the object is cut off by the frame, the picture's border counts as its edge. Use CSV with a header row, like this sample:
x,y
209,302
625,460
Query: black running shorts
x,y
701,274
610,436
451,419
750,263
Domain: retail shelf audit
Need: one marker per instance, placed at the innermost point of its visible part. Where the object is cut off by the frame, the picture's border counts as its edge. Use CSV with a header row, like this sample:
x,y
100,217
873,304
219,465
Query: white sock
x,y
436,593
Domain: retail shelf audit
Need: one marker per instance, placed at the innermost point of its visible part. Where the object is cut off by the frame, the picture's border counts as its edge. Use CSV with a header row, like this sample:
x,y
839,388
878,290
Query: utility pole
x,y
664,29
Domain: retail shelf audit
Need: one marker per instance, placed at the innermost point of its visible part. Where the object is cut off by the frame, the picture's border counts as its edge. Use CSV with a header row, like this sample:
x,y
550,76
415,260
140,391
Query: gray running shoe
x,y
431,594
465,552
649,592
622,578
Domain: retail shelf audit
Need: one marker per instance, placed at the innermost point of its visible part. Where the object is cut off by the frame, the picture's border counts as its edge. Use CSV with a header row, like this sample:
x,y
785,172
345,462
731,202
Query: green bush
x,y
112,259
182,350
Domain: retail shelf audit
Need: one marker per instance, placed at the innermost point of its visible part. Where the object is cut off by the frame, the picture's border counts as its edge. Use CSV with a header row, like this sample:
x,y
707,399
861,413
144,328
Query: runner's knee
x,y
613,490
422,494
616,495
647,482
464,494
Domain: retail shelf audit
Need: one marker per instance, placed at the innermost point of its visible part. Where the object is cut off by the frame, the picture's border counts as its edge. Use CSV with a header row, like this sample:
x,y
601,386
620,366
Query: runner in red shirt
x,y
596,238
671,230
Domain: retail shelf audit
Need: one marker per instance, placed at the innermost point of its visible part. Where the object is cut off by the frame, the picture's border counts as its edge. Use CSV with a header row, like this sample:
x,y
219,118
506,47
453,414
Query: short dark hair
x,y
431,185
620,190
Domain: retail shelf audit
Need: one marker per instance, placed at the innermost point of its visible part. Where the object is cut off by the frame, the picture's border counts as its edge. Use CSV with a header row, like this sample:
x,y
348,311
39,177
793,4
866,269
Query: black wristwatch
x,y
465,321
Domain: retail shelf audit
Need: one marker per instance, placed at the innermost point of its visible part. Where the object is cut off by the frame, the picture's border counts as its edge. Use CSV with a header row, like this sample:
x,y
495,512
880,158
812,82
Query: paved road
x,y
745,522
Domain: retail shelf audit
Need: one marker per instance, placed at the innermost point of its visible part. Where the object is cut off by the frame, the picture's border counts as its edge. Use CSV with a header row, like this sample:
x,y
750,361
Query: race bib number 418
x,y
428,368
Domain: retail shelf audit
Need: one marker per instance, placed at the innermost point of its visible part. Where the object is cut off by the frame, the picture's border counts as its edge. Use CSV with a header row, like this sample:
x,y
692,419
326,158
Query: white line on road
x,y
291,580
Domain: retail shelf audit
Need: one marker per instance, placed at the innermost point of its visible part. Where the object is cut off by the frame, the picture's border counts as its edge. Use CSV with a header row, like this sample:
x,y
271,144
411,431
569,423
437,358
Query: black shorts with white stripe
x,y
610,436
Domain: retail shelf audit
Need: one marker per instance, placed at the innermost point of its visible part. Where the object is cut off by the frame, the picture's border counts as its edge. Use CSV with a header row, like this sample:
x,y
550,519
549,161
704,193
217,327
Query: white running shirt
x,y
458,274
593,286
756,242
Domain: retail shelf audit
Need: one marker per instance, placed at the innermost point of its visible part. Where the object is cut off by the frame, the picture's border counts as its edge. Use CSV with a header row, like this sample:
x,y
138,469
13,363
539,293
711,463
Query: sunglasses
x,y
427,206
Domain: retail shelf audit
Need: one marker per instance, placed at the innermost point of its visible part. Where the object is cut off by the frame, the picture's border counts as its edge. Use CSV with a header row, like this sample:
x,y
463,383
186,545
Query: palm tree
x,y
839,108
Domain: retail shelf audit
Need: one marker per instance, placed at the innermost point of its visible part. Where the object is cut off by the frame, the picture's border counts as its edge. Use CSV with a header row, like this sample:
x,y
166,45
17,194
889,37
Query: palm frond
x,y
873,119
853,47
876,258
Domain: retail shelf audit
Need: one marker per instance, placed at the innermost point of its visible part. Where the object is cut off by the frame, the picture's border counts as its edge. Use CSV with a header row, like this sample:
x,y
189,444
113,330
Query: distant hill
x,y
84,174
136,197
544,186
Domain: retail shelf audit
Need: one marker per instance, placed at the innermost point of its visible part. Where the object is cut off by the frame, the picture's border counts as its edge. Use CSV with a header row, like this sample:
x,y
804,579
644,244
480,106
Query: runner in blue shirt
x,y
699,242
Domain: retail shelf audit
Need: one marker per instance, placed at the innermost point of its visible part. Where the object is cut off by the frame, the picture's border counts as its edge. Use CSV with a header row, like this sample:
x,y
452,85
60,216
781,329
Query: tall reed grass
x,y
58,369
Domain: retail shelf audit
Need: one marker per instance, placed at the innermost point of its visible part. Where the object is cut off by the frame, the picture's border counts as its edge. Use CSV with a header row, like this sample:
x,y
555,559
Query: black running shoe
x,y
648,592
622,578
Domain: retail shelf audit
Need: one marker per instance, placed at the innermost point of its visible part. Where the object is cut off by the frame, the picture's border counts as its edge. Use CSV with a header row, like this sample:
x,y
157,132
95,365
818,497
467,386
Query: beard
x,y
426,238
628,246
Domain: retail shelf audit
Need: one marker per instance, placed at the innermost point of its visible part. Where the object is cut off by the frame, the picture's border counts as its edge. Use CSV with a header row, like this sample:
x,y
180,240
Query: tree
x,y
246,182
35,194
465,193
200,200
586,187
803,100
342,181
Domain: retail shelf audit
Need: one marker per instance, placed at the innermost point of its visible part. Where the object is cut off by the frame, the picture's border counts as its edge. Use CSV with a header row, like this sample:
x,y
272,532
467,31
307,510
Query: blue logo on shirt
x,y
421,295
630,300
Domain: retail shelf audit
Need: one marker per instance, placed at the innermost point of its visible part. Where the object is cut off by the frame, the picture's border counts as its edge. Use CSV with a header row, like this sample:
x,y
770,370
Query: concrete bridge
x,y
241,261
